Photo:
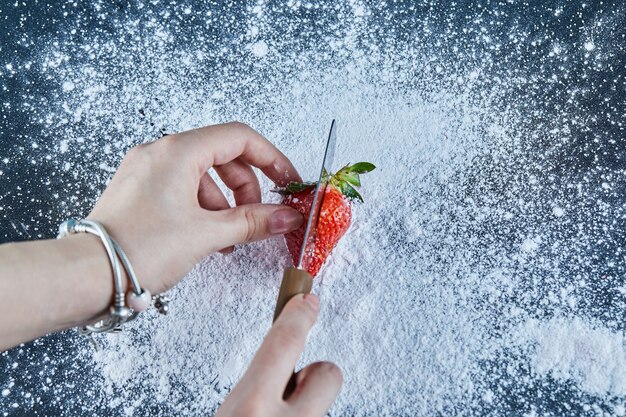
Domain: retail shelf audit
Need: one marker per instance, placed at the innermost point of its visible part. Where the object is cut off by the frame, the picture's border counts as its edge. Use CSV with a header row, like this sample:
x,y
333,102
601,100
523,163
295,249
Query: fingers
x,y
317,386
221,144
276,359
253,222
261,388
210,197
240,178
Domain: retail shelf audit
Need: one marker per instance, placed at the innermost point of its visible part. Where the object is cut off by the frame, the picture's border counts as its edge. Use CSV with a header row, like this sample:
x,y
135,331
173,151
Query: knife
x,y
296,279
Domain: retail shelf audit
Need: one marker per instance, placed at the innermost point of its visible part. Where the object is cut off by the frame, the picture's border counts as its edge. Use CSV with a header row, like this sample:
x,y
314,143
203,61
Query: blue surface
x,y
62,379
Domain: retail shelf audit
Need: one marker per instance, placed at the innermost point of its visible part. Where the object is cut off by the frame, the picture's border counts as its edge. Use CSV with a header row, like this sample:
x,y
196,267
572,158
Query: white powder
x,y
531,244
592,356
259,49
462,288
68,86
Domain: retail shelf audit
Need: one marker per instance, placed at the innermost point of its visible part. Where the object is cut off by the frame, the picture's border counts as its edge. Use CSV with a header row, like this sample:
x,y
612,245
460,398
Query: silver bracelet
x,y
138,299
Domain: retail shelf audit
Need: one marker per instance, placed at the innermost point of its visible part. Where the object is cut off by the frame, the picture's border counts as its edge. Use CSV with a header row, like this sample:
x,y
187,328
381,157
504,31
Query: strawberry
x,y
335,214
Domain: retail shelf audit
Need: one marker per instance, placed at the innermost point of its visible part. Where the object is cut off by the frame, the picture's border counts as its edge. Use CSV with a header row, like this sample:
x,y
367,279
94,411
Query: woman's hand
x,y
260,392
167,213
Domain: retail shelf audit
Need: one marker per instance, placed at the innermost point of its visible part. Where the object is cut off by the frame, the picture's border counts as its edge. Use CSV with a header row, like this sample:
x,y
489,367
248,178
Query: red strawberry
x,y
335,214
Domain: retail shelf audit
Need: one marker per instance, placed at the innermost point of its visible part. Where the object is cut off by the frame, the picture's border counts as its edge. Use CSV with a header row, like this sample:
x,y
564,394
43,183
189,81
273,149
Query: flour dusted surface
x,y
484,275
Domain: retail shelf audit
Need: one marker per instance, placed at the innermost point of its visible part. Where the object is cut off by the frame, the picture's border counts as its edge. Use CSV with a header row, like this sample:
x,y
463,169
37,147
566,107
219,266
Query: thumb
x,y
250,222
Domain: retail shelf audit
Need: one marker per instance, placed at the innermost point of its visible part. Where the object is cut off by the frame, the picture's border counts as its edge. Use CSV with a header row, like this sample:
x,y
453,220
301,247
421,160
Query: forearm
x,y
52,285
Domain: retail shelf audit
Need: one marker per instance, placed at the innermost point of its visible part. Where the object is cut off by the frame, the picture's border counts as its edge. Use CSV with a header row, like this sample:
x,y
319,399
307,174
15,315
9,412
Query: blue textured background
x,y
50,369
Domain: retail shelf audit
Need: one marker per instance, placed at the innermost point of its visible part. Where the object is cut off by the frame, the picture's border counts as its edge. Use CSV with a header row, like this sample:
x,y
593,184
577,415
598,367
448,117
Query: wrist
x,y
91,281
124,306
55,285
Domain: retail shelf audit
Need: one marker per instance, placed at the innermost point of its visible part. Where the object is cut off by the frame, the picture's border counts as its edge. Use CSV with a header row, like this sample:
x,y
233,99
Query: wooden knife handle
x,y
295,281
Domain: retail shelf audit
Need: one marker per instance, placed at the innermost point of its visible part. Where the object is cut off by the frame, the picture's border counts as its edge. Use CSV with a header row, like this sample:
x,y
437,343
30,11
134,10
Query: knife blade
x,y
306,252
296,280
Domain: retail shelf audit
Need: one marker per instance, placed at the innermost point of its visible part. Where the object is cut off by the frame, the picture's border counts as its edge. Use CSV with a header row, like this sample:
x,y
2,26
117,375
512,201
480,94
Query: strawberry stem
x,y
345,180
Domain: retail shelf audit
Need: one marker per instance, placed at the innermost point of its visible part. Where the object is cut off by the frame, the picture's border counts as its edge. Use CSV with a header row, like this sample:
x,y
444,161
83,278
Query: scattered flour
x,y
463,286
259,49
592,356
531,244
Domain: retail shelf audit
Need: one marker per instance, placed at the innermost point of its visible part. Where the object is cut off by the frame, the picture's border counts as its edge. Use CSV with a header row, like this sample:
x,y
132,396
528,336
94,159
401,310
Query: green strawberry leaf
x,y
362,167
296,187
350,192
352,178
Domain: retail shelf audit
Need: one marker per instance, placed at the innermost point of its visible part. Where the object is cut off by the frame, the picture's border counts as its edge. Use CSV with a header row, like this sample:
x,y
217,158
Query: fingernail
x,y
228,250
313,301
285,220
